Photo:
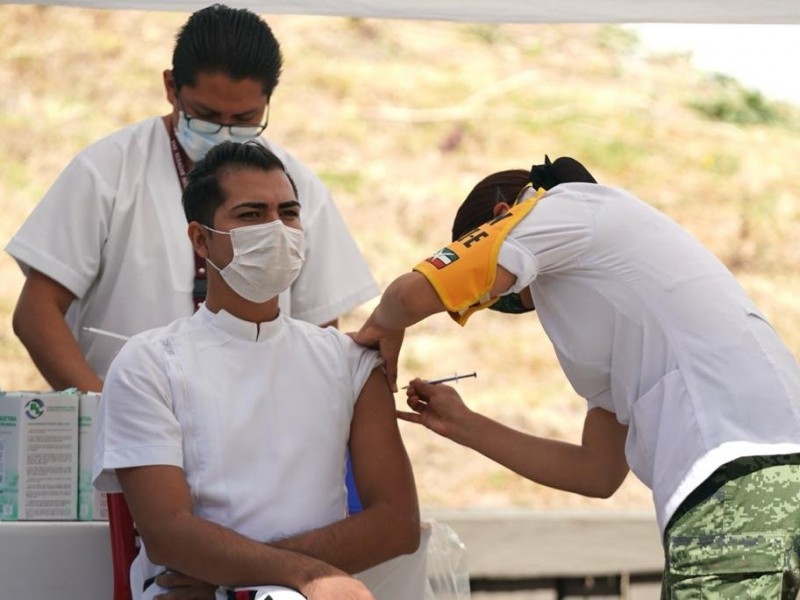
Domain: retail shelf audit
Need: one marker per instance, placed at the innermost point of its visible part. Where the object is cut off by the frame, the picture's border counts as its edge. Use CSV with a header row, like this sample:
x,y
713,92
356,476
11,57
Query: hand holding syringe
x,y
437,407
454,377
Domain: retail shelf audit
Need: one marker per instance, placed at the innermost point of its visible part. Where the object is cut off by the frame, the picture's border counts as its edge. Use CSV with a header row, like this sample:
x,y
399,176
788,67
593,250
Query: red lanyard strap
x,y
181,162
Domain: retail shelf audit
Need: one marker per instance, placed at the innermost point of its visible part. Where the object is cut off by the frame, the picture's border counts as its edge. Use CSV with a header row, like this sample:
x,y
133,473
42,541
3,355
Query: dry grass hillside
x,y
401,119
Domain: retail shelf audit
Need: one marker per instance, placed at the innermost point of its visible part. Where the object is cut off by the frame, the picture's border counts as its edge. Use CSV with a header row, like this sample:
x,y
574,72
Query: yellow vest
x,y
463,273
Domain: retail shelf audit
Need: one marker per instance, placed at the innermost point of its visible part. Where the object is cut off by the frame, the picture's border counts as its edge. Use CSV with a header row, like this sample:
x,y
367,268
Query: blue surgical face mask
x,y
196,144
510,304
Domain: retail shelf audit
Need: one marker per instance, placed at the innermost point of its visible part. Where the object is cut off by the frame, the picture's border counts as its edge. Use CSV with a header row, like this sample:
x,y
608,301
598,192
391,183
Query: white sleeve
x,y
335,277
551,238
64,236
516,259
360,360
136,423
602,400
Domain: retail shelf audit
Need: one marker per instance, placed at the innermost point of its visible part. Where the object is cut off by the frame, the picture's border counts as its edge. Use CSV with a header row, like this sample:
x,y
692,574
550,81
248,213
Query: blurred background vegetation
x,y
401,118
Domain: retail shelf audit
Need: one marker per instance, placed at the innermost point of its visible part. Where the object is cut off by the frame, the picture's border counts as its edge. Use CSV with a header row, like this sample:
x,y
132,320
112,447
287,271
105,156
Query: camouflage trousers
x,y
737,535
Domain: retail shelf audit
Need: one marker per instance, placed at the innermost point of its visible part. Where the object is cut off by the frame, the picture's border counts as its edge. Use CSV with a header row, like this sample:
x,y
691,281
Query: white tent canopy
x,y
501,11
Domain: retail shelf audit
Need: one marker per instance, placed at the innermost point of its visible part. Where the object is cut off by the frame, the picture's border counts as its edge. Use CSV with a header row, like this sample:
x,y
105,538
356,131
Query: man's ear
x,y
169,87
500,209
198,235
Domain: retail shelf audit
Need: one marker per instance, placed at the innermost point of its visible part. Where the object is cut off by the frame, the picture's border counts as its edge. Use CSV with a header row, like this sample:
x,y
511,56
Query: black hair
x,y
204,195
232,41
479,204
504,186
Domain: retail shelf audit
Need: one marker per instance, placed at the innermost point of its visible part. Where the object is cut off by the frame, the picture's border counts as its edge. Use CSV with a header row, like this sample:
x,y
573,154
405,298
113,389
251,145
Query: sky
x,y
759,56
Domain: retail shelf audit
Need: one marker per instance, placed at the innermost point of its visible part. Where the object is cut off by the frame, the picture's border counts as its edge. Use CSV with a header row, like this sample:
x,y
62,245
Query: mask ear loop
x,y
216,230
524,194
499,197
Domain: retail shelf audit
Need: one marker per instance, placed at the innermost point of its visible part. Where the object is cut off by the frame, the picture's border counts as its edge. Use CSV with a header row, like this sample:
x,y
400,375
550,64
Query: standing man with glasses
x,y
106,248
234,131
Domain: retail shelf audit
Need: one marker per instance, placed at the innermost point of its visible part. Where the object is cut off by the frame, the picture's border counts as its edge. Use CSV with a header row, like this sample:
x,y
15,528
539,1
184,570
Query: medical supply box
x,y
38,456
92,504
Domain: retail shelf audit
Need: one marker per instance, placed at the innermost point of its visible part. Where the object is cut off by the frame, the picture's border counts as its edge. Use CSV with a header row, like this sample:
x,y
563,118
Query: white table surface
x,y
55,559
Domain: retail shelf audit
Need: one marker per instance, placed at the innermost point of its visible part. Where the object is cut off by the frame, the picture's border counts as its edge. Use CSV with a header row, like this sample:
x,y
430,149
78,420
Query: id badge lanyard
x,y
181,162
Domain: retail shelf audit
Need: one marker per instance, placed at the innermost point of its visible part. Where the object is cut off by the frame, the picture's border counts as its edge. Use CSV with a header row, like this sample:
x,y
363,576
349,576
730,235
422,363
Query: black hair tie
x,y
563,170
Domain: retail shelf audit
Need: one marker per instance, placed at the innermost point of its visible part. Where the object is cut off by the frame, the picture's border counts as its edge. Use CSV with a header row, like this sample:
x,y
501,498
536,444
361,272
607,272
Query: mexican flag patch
x,y
442,258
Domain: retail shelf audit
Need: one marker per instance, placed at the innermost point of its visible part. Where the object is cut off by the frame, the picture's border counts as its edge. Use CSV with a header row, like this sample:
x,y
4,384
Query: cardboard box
x,y
92,504
38,456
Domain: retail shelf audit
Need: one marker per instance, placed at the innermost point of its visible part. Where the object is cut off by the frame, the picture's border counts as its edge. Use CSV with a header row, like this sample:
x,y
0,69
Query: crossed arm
x,y
388,526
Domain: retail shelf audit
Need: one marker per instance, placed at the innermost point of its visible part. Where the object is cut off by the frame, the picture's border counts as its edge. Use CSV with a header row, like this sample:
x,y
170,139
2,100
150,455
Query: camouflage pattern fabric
x,y
737,536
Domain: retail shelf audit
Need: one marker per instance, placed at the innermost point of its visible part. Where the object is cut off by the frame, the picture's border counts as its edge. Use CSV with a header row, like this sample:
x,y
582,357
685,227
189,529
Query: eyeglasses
x,y
209,127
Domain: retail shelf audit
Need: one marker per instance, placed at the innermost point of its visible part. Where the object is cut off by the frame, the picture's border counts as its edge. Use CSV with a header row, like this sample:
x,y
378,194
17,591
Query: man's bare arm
x,y
180,541
389,524
39,323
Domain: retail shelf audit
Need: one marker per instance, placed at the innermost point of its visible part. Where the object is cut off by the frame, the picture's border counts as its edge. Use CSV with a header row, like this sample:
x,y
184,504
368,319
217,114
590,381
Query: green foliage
x,y
723,164
729,101
348,181
499,479
532,49
612,154
488,34
617,39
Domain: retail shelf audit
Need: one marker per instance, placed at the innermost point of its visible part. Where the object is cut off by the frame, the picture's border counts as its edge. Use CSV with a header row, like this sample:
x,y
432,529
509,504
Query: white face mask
x,y
266,259
195,144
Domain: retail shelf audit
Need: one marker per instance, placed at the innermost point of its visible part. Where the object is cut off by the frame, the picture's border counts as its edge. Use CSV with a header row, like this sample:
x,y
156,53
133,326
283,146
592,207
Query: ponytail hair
x,y
504,186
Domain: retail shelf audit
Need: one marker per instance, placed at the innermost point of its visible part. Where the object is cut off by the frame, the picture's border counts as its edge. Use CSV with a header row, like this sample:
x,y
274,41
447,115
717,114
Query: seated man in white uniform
x,y
227,430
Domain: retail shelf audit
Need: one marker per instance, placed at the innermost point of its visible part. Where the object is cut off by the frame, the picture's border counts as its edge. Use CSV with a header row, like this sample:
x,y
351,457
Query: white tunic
x,y
259,420
112,231
649,325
